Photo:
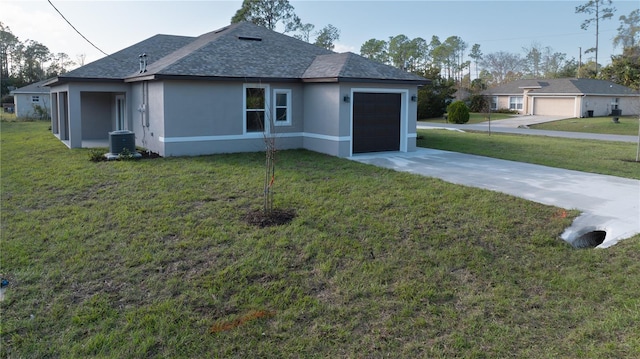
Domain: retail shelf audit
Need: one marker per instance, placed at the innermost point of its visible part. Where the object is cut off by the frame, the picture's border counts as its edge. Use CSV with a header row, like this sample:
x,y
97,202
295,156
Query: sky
x,y
497,25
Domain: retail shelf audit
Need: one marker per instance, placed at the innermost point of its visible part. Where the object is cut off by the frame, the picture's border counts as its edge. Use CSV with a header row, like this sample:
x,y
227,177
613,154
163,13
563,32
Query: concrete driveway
x,y
609,204
519,121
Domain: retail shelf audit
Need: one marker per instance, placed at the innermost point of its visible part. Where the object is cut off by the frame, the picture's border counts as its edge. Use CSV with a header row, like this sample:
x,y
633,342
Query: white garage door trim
x,y
554,106
404,114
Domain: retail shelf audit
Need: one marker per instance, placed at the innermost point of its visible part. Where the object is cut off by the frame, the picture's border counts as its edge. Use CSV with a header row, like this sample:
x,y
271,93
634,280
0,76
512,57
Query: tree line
x,y
451,64
26,62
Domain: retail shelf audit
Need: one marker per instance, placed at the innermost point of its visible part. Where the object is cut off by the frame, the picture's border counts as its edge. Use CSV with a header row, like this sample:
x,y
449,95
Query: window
x,y
614,103
35,99
494,103
515,103
282,108
254,99
120,113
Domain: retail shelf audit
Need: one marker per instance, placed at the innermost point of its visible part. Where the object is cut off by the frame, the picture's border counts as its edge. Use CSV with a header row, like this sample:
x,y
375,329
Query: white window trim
x,y
121,121
518,103
494,101
244,108
276,92
35,98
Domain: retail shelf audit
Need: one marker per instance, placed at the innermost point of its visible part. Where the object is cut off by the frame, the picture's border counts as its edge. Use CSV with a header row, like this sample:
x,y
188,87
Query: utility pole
x,y
579,61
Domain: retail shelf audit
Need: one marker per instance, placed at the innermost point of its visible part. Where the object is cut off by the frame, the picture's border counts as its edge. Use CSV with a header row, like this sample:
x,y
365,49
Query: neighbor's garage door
x,y
554,106
376,122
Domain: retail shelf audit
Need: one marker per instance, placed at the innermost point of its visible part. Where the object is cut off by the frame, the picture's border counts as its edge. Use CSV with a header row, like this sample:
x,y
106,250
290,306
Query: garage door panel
x,y
376,122
554,107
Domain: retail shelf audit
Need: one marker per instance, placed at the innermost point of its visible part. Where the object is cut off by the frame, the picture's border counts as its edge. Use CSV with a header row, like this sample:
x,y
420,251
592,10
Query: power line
x,y
73,27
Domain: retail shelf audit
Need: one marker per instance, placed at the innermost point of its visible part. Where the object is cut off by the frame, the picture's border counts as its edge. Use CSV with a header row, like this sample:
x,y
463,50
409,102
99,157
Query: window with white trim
x,y
494,103
120,112
255,100
282,107
35,99
515,102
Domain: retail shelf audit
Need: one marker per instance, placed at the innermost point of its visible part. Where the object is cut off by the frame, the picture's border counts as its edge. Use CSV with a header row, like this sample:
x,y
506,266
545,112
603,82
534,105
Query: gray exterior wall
x,y
186,118
97,114
323,107
24,105
73,119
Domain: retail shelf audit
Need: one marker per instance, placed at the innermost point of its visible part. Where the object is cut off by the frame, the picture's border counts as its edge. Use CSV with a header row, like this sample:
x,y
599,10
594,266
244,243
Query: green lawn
x,y
152,258
604,157
628,125
473,118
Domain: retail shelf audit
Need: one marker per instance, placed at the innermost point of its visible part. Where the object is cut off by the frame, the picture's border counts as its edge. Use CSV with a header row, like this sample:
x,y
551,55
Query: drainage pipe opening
x,y
590,239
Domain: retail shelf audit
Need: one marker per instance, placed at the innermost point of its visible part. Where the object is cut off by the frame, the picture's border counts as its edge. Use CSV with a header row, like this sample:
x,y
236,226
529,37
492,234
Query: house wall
x,y
24,104
74,120
147,115
208,117
97,112
323,109
601,105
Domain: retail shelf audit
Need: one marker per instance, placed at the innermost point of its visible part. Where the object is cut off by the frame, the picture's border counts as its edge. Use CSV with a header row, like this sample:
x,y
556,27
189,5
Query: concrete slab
x,y
608,203
484,127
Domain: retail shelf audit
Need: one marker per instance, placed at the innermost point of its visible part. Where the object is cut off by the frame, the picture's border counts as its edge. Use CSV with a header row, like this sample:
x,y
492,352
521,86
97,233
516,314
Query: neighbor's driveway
x,y
608,203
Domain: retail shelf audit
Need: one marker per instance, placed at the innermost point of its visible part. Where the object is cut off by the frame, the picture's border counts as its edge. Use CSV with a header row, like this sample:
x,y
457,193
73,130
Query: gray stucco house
x,y
26,100
222,91
566,97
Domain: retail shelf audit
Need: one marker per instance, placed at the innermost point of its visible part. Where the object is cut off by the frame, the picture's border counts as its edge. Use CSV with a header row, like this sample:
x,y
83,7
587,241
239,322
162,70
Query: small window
x,y
35,99
494,103
254,109
282,108
614,103
515,103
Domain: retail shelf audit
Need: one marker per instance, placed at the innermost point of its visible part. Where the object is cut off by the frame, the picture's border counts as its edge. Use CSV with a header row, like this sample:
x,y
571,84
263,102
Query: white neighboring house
x,y
29,99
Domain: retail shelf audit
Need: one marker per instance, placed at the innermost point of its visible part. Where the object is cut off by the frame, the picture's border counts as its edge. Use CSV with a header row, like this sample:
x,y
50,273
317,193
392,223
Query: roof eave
x,y
63,80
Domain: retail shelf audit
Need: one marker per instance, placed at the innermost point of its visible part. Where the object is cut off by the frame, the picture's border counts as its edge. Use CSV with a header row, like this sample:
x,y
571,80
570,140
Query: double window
x,y
515,103
259,114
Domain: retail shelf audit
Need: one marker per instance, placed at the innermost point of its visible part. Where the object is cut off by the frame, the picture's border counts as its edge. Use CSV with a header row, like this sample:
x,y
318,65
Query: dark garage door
x,y
376,122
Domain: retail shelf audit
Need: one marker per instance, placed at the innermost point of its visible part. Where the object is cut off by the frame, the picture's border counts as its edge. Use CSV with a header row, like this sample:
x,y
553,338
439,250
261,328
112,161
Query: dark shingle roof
x,y
351,66
36,87
242,51
124,62
566,86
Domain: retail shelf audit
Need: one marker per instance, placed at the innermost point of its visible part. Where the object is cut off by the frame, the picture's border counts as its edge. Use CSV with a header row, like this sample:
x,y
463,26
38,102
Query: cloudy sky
x,y
495,25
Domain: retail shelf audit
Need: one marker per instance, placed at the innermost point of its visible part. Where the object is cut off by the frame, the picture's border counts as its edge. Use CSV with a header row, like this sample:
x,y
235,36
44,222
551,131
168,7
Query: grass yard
x,y
604,157
628,125
152,258
473,118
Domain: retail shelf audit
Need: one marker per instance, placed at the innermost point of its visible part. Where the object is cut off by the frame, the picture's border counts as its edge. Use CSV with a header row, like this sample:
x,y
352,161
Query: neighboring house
x,y
32,100
223,91
568,97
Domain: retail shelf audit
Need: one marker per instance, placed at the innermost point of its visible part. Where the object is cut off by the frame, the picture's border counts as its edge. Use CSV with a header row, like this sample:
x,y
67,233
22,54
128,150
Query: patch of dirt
x,y
275,217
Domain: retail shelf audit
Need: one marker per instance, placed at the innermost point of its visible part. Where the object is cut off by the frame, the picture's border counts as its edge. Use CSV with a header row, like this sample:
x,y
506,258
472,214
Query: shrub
x,y
458,112
96,155
478,103
506,110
